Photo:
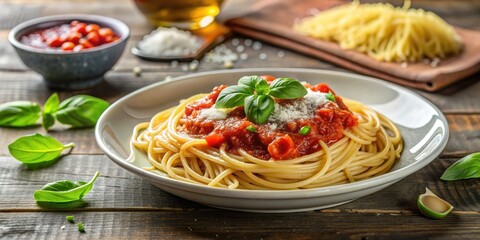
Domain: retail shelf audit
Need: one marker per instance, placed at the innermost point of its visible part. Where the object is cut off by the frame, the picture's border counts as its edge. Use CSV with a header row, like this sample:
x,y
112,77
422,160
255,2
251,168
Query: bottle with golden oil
x,y
186,14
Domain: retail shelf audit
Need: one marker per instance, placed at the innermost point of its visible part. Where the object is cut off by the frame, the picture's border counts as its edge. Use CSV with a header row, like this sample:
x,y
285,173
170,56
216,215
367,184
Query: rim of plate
x,y
386,178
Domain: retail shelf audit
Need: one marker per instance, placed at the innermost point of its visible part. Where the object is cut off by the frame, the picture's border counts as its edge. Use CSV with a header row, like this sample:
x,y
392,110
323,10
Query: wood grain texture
x,y
237,225
117,189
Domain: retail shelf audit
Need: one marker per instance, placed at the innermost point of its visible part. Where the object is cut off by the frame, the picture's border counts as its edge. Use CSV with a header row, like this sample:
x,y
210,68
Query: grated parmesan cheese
x,y
169,42
300,109
213,113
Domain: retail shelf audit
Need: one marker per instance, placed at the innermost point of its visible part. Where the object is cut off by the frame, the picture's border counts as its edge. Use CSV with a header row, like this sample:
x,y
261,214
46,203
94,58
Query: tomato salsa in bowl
x,y
70,51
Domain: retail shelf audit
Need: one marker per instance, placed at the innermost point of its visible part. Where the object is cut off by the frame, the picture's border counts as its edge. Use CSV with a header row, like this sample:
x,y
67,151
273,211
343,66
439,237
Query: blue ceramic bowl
x,y
70,70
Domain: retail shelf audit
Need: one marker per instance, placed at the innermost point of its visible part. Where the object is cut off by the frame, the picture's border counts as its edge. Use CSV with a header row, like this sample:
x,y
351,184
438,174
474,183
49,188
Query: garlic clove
x,y
432,206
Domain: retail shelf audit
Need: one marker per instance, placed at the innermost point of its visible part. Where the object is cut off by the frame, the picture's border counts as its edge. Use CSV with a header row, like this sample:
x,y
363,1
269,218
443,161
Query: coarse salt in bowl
x,y
169,42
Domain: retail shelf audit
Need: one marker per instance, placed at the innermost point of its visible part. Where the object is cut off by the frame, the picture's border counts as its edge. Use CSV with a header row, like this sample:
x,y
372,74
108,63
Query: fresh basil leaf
x,y
467,167
304,130
63,205
64,191
249,81
48,120
50,107
251,128
262,87
81,111
287,88
233,96
258,108
37,150
330,96
19,114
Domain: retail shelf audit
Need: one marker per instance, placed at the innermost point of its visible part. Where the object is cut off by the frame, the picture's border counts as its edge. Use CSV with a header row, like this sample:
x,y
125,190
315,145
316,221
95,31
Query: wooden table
x,y
124,206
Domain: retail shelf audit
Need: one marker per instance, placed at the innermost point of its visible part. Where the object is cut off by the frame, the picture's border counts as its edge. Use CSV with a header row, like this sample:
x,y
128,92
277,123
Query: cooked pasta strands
x,y
384,32
368,149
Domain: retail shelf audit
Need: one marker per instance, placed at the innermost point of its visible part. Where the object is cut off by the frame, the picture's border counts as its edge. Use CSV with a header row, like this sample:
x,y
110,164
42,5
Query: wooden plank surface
x,y
118,189
220,224
124,206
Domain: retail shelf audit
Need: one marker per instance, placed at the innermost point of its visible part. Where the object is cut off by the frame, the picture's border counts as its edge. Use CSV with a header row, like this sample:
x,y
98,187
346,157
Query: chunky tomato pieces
x,y
281,142
75,36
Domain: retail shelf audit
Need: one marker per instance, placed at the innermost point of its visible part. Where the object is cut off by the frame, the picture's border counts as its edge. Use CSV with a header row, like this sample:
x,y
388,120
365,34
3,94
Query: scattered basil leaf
x,y
81,227
49,108
70,219
467,167
233,96
262,87
249,81
330,96
258,108
287,88
19,114
63,205
48,120
81,111
36,150
64,191
251,128
304,130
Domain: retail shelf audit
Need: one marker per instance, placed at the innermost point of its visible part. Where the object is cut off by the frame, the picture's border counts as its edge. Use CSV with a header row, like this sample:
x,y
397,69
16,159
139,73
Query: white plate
x,y
423,127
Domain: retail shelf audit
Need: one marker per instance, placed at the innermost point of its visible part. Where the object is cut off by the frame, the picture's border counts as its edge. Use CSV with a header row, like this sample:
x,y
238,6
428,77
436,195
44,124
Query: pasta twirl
x,y
369,148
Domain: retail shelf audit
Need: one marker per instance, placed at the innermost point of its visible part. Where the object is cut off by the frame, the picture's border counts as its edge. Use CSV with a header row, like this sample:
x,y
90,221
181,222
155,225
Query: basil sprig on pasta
x,y
256,95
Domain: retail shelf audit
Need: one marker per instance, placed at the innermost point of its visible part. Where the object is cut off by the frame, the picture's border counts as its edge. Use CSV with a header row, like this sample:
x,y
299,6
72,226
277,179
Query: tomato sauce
x,y
283,142
75,37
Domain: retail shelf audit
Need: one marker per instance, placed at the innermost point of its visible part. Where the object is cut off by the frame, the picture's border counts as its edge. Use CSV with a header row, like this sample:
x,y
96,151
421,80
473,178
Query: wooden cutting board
x,y
273,24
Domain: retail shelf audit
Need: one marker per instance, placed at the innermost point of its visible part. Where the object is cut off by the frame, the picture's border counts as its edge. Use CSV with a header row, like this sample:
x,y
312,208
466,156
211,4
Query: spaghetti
x,y
367,147
384,32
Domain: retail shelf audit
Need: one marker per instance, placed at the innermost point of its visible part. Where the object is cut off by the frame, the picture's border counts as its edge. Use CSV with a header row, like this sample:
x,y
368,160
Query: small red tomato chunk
x,y
282,148
268,78
85,43
92,28
80,28
322,87
214,140
68,46
103,32
74,37
74,23
94,38
107,39
54,42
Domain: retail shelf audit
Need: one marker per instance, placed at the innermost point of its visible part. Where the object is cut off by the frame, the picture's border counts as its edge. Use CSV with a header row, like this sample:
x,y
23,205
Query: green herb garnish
x,y
70,219
251,128
304,130
81,111
81,228
256,96
467,167
64,191
330,96
19,114
77,111
49,108
37,150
